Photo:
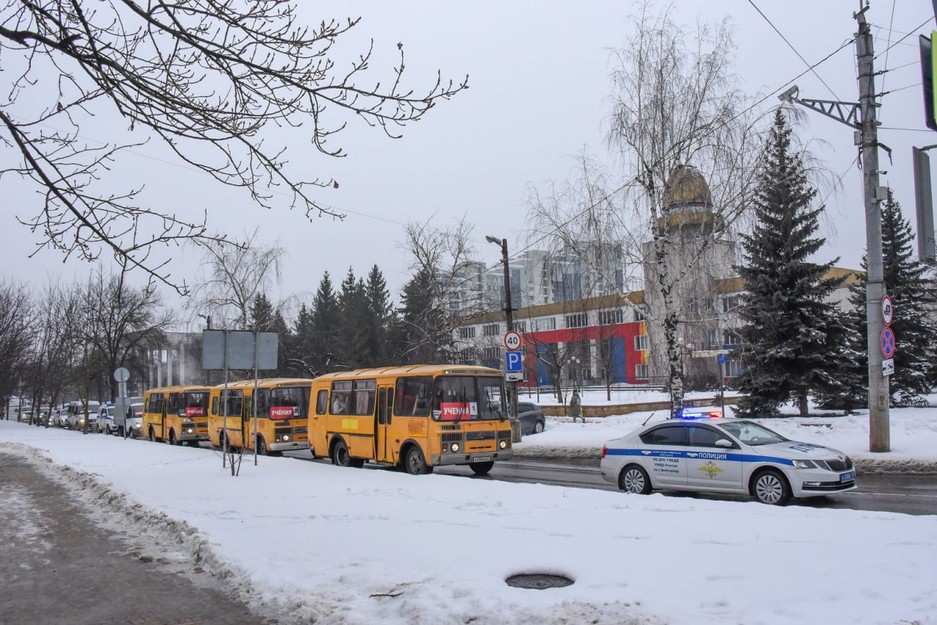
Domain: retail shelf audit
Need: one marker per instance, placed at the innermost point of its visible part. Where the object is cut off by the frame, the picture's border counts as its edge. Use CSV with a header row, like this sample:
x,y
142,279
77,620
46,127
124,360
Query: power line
x,y
891,23
791,46
885,51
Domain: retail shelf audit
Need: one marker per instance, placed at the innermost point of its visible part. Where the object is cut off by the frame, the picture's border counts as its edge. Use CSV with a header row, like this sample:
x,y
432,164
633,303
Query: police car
x,y
717,455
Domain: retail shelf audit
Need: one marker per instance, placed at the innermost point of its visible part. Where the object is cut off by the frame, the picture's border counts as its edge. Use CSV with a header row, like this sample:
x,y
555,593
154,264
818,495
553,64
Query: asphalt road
x,y
908,494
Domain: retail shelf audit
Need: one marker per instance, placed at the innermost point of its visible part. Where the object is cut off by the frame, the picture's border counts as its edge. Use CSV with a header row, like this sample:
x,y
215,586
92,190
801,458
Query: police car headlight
x,y
804,464
503,444
454,447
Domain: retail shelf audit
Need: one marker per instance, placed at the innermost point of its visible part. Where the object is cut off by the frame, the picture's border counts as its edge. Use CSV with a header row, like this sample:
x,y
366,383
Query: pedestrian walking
x,y
575,406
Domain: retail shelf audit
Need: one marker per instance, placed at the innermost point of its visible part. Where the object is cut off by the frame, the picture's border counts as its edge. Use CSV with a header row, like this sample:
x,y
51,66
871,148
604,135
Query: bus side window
x,y
214,406
322,402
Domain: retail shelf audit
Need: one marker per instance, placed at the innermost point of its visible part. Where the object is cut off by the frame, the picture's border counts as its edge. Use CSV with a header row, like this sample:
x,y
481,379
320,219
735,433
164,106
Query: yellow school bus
x,y
282,410
415,417
177,414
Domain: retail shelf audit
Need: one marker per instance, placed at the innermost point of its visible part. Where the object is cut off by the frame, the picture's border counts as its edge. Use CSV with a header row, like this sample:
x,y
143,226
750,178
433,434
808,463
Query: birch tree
x,y
675,111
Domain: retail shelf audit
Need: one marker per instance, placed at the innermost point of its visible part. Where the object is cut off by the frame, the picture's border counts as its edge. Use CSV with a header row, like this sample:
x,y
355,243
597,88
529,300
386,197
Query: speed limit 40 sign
x,y
512,341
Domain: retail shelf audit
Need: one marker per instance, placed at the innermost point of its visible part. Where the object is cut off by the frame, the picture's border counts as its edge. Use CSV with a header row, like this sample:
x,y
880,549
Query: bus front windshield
x,y
468,398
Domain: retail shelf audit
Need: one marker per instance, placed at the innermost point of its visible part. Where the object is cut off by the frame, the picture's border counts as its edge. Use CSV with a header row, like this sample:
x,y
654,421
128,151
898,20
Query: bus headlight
x,y
454,447
190,430
286,438
503,444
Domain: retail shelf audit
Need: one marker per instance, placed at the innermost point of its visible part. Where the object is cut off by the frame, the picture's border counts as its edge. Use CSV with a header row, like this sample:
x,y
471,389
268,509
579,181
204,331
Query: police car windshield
x,y
752,433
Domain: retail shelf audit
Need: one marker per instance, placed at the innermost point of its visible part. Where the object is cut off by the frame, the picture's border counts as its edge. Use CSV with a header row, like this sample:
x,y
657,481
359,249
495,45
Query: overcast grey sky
x,y
539,94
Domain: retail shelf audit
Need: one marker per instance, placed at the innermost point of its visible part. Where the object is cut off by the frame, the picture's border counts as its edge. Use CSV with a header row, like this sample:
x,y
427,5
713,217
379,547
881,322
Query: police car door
x,y
663,455
709,467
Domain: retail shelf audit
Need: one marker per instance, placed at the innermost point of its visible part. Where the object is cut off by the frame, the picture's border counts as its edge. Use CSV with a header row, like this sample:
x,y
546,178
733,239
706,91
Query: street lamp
x,y
509,313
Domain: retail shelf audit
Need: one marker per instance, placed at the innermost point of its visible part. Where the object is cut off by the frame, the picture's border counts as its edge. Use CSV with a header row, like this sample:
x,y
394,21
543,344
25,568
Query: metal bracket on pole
x,y
843,112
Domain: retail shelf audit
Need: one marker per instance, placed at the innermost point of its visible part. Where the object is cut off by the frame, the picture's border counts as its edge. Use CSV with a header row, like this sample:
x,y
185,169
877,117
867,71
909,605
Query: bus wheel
x,y
340,455
152,436
415,463
262,447
482,468
172,438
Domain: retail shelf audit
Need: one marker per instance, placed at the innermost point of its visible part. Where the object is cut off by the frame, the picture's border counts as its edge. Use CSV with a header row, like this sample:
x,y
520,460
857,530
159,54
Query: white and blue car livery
x,y
732,456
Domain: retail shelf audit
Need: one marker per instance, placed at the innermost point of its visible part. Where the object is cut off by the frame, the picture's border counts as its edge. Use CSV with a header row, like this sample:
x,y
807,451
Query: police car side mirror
x,y
724,442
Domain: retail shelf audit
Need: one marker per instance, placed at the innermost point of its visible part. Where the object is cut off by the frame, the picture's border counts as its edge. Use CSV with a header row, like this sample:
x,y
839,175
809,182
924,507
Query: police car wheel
x,y
634,479
770,487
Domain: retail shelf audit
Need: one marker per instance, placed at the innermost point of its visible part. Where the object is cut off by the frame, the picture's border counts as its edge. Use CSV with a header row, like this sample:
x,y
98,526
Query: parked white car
x,y
76,415
732,456
133,421
105,422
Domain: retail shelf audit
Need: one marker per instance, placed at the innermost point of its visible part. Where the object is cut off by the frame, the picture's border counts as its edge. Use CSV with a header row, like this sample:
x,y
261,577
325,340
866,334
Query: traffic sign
x,y
513,361
722,359
512,341
888,367
888,310
889,343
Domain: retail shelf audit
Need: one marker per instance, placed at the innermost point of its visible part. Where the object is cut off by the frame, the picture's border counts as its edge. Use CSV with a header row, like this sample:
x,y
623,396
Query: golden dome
x,y
687,186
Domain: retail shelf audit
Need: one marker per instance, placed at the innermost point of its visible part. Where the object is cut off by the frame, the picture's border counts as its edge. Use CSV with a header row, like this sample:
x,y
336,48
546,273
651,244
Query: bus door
x,y
385,404
164,405
247,420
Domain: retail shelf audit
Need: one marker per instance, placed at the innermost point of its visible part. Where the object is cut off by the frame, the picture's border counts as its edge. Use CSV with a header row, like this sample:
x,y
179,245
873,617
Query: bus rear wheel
x,y
172,438
414,463
482,468
340,455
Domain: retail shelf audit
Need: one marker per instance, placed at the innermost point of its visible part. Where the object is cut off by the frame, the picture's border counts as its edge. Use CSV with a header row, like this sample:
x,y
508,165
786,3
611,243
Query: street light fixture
x,y
509,313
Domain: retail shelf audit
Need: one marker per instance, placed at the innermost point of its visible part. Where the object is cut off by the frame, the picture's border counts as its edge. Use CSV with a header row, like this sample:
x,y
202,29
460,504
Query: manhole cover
x,y
538,581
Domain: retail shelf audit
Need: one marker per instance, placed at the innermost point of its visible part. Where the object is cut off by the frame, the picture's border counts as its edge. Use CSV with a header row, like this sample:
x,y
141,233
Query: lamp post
x,y
509,313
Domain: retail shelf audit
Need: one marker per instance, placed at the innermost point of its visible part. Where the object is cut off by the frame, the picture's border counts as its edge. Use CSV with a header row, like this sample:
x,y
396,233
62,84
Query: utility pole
x,y
861,116
509,314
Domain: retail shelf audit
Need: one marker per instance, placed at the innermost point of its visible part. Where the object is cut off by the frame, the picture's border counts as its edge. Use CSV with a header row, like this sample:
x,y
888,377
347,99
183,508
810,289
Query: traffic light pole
x,y
861,117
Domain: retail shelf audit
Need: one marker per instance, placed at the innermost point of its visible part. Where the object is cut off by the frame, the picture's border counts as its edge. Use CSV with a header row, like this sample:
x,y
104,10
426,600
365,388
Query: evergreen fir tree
x,y
380,310
789,328
422,336
353,312
299,348
262,314
907,285
325,322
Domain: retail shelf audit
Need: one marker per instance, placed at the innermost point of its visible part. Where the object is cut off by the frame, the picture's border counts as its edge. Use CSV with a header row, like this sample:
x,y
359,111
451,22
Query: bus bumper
x,y
461,458
290,446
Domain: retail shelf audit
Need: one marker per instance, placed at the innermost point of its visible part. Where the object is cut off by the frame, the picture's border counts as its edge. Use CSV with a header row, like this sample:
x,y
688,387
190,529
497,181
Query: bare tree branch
x,y
214,80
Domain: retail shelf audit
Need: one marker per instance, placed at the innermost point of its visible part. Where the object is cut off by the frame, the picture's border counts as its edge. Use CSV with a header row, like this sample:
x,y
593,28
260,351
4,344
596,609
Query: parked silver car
x,y
531,417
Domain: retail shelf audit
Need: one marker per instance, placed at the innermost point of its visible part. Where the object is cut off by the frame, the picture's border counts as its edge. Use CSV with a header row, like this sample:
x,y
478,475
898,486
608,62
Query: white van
x,y
128,416
76,415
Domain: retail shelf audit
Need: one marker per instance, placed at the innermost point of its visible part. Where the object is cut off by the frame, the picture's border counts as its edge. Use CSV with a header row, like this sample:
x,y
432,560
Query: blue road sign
x,y
889,343
722,359
513,361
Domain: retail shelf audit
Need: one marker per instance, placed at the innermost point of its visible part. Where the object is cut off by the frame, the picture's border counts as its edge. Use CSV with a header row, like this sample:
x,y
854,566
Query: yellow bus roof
x,y
179,388
411,370
264,383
